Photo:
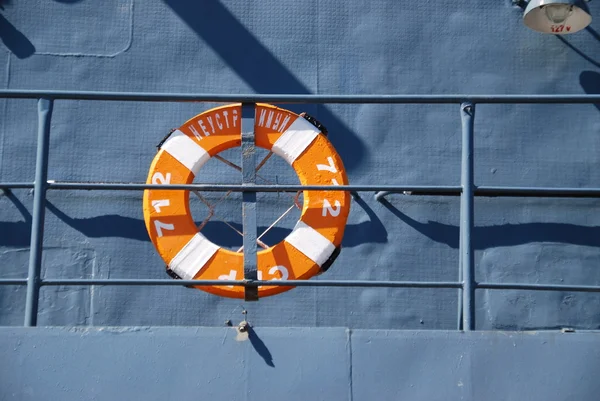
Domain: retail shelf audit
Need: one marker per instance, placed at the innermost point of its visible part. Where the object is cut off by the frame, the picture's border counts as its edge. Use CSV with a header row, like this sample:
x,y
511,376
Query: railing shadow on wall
x,y
467,191
117,226
485,237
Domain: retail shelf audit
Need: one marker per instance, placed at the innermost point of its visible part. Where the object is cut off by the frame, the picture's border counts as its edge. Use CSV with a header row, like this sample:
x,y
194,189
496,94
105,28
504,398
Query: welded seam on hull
x,y
127,45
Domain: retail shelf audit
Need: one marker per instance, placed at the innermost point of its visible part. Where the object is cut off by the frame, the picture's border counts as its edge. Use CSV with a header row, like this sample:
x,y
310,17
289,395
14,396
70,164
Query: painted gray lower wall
x,y
194,363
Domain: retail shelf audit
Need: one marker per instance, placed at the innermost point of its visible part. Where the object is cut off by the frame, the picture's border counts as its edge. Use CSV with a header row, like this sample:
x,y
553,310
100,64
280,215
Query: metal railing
x,y
467,191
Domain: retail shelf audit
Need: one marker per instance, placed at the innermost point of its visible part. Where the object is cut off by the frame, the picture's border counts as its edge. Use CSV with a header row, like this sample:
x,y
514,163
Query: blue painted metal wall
x,y
338,47
335,47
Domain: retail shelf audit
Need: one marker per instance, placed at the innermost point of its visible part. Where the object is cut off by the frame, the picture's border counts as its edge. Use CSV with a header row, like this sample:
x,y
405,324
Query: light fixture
x,y
559,17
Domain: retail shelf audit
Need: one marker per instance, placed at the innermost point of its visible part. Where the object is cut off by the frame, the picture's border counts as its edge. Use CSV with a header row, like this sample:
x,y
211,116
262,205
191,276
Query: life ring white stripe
x,y
193,257
311,243
186,151
294,141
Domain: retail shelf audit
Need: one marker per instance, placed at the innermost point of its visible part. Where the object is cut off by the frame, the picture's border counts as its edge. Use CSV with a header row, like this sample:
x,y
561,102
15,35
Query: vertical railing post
x,y
39,207
249,200
459,315
467,112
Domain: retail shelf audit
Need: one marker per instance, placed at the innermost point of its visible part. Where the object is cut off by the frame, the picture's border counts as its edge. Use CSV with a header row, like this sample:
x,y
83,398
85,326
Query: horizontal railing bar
x,y
307,283
537,192
242,283
13,281
293,98
381,190
313,283
240,188
538,287
486,191
422,191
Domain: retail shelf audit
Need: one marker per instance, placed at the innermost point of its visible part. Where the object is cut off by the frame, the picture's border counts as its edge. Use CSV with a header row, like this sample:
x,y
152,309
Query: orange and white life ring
x,y
315,239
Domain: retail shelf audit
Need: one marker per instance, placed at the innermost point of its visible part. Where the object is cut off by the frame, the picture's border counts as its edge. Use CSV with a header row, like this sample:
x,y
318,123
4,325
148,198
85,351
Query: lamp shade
x,y
559,17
